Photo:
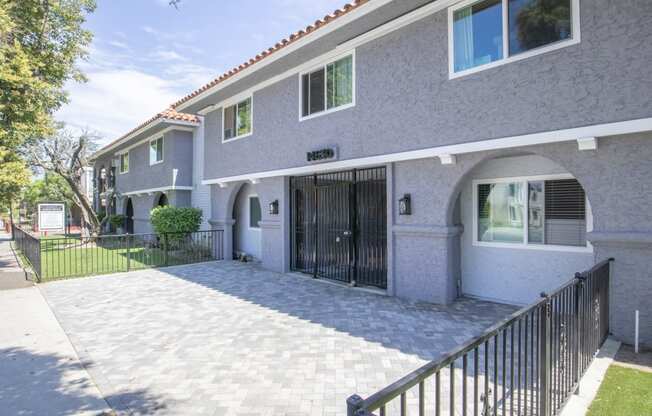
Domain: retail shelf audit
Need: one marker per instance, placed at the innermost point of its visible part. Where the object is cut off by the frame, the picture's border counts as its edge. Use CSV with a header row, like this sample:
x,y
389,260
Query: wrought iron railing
x,y
76,256
28,245
529,364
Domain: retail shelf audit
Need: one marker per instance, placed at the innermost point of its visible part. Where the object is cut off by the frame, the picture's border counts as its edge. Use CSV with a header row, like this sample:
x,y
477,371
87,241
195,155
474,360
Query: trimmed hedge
x,y
169,219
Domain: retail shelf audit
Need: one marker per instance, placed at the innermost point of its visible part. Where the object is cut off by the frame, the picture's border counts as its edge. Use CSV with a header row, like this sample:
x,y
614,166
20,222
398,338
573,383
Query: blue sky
x,y
146,54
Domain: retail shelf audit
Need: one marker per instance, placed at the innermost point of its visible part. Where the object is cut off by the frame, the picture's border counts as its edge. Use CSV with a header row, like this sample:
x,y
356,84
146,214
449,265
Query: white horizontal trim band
x,y
162,189
557,136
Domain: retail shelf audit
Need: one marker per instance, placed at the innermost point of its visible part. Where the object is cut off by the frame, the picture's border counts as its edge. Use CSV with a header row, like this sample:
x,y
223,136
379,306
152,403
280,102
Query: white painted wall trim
x,y
162,189
556,136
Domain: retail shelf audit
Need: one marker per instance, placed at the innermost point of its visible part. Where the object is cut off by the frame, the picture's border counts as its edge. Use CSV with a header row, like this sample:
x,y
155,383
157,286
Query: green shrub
x,y
117,220
169,219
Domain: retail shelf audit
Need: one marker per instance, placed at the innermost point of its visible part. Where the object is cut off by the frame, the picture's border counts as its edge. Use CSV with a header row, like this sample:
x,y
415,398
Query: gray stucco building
x,y
430,149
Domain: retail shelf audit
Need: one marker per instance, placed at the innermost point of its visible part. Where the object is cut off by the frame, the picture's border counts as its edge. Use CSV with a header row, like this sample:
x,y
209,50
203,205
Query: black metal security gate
x,y
339,226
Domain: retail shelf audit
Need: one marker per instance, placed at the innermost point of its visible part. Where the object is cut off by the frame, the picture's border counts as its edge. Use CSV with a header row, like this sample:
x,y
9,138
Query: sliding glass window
x,y
327,88
532,212
492,30
237,120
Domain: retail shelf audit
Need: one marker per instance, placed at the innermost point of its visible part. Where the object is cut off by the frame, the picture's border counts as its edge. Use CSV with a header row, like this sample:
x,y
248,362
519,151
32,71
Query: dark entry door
x,y
129,214
339,226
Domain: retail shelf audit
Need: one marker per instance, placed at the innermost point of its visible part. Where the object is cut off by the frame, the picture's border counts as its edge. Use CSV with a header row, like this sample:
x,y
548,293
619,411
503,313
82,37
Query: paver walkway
x,y
233,339
12,275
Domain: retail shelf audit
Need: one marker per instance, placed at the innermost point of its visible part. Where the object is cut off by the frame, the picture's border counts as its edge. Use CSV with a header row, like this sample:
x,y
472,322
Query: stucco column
x,y
631,281
424,261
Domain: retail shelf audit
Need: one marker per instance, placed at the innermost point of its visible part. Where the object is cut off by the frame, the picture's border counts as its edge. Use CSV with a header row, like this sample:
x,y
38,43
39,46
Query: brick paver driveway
x,y
233,339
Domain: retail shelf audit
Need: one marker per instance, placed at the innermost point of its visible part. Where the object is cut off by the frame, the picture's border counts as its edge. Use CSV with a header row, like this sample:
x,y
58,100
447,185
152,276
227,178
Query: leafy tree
x,y
51,188
40,43
66,154
14,176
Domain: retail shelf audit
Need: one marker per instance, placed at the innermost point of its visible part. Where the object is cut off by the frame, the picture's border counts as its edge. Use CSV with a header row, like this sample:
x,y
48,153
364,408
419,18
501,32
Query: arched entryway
x,y
247,214
129,217
524,219
162,201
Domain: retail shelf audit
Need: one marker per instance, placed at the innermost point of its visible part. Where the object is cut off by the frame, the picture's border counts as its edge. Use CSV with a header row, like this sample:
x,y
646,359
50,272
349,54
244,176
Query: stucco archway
x,y
520,232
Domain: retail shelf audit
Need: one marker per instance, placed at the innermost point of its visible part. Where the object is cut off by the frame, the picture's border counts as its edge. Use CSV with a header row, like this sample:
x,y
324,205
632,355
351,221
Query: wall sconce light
x,y
273,207
405,205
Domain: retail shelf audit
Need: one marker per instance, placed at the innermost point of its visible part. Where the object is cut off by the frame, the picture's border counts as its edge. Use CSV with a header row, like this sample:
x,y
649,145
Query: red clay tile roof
x,y
169,114
172,114
347,8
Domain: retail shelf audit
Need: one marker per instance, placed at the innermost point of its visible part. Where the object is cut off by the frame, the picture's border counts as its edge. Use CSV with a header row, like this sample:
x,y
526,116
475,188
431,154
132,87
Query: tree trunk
x,y
88,213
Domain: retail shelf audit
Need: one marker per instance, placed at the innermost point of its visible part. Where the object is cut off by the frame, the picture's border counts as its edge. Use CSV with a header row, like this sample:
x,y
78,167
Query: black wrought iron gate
x,y
339,226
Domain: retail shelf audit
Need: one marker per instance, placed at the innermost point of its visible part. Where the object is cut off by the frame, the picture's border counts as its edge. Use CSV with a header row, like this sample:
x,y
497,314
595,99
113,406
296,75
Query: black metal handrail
x,y
528,364
76,256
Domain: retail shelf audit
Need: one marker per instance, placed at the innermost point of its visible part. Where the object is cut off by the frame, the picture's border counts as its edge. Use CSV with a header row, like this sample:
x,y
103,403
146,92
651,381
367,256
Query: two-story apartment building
x,y
429,149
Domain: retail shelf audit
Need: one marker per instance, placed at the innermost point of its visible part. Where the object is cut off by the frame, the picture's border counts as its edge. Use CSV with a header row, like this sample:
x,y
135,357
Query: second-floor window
x,y
487,31
156,151
124,162
237,120
328,87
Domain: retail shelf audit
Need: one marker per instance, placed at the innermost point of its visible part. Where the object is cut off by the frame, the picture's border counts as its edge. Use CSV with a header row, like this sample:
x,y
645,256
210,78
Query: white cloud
x,y
167,55
113,102
118,44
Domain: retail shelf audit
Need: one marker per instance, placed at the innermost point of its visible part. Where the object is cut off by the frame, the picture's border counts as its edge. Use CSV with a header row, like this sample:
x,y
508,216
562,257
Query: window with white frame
x,y
237,120
156,151
124,162
533,211
328,87
255,212
487,31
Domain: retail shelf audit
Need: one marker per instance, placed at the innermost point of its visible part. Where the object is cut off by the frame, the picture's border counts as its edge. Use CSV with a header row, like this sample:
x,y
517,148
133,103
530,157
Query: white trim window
x,y
328,88
486,33
548,212
123,164
237,120
156,151
255,212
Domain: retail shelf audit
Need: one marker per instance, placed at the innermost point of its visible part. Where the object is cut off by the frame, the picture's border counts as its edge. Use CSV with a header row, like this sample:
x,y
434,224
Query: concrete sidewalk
x,y
12,276
40,372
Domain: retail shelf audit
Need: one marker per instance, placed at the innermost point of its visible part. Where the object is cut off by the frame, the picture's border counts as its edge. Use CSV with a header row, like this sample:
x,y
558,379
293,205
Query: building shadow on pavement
x,y
423,329
33,383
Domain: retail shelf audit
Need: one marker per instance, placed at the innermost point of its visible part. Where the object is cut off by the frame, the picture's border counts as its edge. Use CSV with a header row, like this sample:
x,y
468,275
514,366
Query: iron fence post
x,y
545,357
128,242
579,284
165,249
353,405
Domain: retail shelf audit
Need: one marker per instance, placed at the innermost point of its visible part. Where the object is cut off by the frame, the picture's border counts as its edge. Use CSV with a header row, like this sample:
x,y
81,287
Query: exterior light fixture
x,y
405,205
273,207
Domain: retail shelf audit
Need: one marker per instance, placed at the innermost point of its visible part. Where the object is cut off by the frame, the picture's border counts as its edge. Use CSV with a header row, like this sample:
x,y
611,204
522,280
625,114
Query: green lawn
x,y
624,391
65,258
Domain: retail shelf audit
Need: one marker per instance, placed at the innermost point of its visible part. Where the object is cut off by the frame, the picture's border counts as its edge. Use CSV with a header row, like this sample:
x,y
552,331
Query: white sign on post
x,y
51,217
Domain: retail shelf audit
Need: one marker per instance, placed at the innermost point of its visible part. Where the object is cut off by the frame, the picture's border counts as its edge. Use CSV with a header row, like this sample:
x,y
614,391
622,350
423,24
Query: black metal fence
x,y
529,364
28,245
74,256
